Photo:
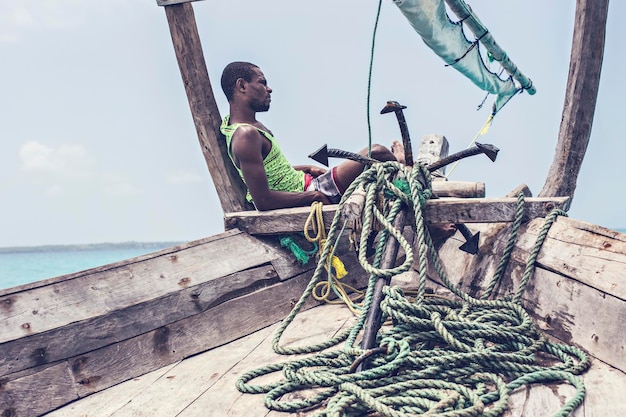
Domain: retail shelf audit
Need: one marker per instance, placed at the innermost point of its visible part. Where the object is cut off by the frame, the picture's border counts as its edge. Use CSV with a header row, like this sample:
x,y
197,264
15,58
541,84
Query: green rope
x,y
302,256
369,77
444,357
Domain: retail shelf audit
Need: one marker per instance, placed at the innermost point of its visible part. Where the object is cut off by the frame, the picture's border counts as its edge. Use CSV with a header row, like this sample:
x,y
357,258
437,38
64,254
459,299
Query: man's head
x,y
243,79
234,71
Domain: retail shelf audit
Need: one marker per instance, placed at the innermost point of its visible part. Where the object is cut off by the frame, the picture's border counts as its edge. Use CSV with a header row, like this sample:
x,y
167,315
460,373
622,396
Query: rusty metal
x,y
358,362
397,108
489,150
374,316
322,154
471,240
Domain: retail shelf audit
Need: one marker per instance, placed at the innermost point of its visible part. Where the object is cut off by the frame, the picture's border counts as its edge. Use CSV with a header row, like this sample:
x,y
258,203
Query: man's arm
x,y
247,148
312,170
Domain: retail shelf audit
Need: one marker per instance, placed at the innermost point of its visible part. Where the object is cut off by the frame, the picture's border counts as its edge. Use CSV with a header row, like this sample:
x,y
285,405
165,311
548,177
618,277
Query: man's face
x,y
259,94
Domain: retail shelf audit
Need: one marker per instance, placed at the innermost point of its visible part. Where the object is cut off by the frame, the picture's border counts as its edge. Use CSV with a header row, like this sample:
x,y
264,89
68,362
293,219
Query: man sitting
x,y
271,180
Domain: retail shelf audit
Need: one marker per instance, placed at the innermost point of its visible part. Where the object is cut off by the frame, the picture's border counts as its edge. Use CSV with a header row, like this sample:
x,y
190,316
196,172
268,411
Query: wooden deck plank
x,y
126,323
604,395
204,385
199,374
444,210
606,386
225,400
112,364
45,308
107,402
588,253
582,304
579,314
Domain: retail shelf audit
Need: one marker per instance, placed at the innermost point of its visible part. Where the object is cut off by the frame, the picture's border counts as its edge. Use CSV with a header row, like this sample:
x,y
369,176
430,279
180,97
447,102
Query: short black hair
x,y
232,72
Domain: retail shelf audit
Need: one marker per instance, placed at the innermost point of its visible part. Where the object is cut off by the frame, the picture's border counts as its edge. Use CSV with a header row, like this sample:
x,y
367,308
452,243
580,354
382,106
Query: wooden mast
x,y
580,97
229,186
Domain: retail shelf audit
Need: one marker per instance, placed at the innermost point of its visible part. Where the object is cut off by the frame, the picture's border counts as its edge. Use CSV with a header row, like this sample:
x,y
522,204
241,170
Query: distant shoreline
x,y
88,246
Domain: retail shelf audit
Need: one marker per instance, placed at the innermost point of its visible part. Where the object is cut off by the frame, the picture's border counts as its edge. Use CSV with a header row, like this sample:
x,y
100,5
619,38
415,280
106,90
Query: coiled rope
x,y
441,357
335,269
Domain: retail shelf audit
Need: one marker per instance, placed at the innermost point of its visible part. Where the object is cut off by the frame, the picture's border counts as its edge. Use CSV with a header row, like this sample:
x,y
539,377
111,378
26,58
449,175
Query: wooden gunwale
x,y
61,338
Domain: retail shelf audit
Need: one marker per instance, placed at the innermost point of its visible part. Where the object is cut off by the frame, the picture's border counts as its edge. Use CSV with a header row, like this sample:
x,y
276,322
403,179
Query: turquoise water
x,y
21,267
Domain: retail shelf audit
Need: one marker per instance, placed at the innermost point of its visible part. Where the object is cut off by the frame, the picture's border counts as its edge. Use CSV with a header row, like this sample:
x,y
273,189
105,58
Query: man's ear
x,y
240,84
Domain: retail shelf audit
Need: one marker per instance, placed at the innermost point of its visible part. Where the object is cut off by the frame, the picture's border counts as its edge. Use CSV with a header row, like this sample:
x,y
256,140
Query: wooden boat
x,y
169,333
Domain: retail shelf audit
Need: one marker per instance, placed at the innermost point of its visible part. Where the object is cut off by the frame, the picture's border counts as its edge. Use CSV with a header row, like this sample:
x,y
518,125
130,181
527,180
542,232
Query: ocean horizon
x,y
25,264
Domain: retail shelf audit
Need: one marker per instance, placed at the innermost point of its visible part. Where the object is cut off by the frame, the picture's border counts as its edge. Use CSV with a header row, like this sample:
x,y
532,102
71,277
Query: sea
x,y
22,265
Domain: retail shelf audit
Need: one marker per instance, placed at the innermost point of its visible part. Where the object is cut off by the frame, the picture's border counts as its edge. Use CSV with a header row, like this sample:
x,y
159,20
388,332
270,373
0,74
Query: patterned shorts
x,y
327,185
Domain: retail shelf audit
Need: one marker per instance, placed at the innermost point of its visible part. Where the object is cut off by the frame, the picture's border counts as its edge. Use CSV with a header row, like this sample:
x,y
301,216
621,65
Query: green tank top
x,y
281,176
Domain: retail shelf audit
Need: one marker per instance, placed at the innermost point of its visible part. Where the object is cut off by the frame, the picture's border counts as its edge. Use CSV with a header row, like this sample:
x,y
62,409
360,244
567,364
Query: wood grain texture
x,y
581,94
172,2
443,210
115,287
121,324
577,291
204,385
107,366
186,41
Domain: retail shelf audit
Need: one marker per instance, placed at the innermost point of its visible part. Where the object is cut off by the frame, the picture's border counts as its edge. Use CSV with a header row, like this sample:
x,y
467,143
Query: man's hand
x,y
312,170
321,197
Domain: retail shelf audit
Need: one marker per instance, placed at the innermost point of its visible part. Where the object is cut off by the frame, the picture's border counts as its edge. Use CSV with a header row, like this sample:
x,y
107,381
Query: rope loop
x,y
456,356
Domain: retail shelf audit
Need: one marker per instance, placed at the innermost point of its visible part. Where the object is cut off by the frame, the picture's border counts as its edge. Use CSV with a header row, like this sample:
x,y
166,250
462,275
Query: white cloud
x,y
121,189
20,17
27,15
180,178
65,160
71,170
54,190
116,184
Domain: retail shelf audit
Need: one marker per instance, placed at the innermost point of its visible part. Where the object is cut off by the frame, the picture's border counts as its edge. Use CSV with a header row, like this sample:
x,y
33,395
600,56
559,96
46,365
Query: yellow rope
x,y
323,290
483,130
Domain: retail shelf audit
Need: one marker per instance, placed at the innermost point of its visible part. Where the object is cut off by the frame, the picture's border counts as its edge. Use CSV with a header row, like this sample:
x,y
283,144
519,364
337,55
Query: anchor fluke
x,y
471,241
321,155
489,150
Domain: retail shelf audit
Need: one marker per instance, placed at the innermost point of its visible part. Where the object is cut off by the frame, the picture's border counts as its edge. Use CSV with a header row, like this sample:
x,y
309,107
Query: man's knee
x,y
382,153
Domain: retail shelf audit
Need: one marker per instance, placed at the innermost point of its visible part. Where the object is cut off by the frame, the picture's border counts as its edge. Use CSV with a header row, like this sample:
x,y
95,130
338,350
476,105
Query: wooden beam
x,y
460,189
171,2
229,186
448,210
580,97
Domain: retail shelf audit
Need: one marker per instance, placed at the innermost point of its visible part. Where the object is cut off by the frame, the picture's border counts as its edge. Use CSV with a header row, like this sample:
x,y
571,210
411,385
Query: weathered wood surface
x,y
432,148
444,210
172,2
581,94
101,290
107,366
206,115
204,385
91,330
577,293
459,189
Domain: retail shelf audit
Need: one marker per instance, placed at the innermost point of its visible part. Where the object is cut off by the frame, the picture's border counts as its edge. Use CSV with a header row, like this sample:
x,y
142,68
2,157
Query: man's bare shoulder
x,y
247,132
247,142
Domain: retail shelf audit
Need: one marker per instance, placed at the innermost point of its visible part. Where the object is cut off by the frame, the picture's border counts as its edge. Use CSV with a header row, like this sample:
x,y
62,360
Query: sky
x,y
97,143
